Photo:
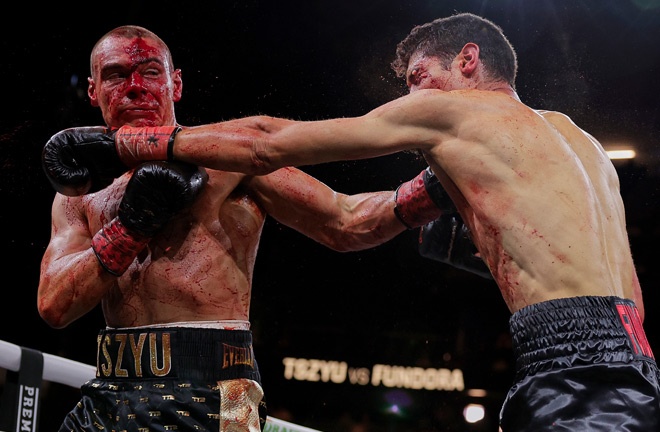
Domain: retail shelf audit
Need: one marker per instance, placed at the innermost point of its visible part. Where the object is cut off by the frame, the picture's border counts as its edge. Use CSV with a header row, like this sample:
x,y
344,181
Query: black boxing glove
x,y
156,192
421,200
447,239
86,159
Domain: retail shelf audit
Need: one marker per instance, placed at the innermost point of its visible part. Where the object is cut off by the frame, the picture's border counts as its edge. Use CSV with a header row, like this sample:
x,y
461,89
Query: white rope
x,y
74,374
56,369
277,425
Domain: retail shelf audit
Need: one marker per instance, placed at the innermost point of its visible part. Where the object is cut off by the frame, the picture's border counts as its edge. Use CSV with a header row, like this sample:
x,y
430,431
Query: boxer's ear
x,y
91,92
469,58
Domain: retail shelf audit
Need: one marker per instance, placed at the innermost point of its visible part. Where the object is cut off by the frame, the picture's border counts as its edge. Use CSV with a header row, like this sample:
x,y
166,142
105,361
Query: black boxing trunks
x,y
583,364
181,379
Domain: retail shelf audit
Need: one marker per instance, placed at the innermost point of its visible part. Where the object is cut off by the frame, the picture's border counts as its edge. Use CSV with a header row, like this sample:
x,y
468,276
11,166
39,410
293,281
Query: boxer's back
x,y
544,205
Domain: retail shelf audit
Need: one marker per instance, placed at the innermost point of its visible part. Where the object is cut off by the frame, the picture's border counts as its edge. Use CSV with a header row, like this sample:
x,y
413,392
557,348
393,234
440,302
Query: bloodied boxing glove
x,y
421,200
447,239
156,192
86,159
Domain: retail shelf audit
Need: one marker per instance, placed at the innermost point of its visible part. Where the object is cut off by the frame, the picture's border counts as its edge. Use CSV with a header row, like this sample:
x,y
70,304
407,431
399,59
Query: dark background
x,y
595,60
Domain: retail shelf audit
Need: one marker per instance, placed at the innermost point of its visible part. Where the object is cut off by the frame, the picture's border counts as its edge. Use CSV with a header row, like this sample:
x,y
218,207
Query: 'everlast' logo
x,y
120,355
233,355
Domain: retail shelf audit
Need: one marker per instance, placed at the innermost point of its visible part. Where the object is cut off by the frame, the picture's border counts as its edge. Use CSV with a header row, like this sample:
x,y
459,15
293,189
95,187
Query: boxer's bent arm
x,y
339,221
72,281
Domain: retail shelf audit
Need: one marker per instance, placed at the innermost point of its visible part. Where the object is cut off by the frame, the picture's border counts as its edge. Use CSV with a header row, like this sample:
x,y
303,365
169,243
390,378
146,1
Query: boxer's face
x,y
431,72
134,83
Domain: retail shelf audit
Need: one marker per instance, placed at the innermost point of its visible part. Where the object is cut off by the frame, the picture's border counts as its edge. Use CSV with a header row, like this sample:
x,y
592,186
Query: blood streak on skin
x,y
69,211
535,233
140,51
506,280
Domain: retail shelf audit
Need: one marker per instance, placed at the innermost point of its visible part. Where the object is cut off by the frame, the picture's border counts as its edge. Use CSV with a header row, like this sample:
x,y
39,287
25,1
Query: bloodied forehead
x,y
129,51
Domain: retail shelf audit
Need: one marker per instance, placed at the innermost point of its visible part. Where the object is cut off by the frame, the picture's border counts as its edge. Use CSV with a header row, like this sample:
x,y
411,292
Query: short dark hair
x,y
445,37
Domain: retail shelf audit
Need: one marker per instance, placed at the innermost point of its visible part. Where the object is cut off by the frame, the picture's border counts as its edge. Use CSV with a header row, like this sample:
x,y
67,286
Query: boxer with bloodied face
x,y
536,194
167,249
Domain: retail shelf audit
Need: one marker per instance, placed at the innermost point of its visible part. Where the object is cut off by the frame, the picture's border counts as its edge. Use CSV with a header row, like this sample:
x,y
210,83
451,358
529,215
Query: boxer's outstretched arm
x,y
76,159
261,144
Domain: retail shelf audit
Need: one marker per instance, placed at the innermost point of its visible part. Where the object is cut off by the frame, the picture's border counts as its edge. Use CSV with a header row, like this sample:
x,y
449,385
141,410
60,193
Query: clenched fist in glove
x,y
447,239
421,200
86,159
156,192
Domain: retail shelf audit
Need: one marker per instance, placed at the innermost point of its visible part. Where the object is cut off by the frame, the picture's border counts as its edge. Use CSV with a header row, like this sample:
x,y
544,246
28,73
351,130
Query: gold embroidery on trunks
x,y
122,357
167,355
136,349
233,355
98,352
120,371
105,368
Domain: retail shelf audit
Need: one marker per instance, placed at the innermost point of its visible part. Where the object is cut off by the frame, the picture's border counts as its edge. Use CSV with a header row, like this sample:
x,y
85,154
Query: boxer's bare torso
x,y
542,200
198,268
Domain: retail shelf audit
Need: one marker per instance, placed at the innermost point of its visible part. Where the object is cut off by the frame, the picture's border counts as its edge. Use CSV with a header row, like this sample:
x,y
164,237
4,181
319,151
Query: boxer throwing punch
x,y
167,250
538,194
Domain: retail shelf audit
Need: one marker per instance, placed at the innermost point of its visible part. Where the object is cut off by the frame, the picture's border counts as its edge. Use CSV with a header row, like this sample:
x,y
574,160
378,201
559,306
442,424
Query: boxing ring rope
x,y
73,374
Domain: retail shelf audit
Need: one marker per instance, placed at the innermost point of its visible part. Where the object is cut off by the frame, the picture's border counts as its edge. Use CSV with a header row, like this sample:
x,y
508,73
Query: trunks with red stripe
x,y
597,329
582,364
